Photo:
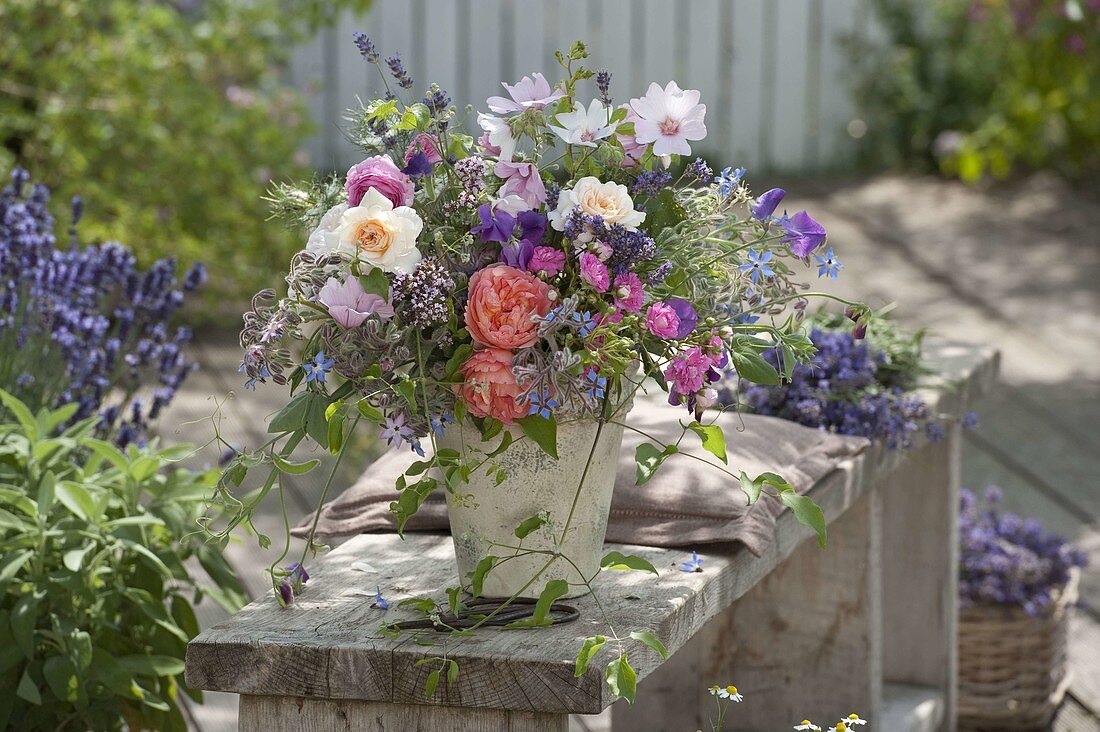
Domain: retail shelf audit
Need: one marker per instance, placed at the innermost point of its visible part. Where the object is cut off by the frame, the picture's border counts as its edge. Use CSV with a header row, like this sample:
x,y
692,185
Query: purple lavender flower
x,y
400,75
652,182
603,85
699,170
366,47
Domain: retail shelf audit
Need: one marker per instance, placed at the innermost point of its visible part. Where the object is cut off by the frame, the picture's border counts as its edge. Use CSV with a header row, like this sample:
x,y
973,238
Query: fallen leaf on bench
x,y
363,567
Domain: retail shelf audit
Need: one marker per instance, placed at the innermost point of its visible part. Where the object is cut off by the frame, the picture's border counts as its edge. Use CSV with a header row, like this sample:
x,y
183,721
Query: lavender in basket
x,y
86,325
1007,560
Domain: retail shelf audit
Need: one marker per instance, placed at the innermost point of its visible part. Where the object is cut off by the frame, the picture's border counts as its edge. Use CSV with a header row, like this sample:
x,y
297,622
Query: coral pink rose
x,y
489,387
379,172
502,301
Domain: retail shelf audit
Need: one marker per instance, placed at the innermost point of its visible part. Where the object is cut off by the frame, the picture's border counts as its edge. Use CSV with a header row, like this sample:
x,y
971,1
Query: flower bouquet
x,y
495,304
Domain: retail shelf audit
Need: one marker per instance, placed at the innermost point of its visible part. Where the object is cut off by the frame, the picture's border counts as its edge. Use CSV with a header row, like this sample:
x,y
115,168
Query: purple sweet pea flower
x,y
803,234
686,313
417,166
765,204
532,226
517,253
495,225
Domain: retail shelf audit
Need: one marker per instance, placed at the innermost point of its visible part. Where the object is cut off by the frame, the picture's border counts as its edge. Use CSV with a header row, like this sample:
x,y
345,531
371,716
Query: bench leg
x,y
804,642
920,550
270,713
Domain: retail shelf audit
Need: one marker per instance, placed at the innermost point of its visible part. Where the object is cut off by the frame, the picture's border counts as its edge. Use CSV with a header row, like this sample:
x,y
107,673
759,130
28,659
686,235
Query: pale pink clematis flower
x,y
527,93
668,118
349,305
523,180
584,127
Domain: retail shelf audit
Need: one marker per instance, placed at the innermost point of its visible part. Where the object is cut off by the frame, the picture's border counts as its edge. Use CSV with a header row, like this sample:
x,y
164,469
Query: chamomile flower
x,y
807,725
714,690
730,692
840,727
853,720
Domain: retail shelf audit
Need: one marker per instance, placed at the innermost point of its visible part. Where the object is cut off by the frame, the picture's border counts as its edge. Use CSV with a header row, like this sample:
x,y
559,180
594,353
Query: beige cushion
x,y
685,503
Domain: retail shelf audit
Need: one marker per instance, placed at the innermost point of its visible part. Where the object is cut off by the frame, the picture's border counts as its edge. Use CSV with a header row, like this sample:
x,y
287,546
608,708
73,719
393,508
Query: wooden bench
x,y
866,625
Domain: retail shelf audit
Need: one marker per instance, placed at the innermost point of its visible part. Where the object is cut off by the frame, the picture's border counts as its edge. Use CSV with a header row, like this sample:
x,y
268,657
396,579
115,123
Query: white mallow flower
x,y
499,135
510,204
584,127
668,118
325,238
381,234
611,201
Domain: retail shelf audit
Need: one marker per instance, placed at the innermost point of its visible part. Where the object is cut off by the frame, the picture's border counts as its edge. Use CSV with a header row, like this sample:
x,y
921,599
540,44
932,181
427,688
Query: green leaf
x,y
807,512
291,468
335,435
663,211
750,487
78,499
24,616
293,417
532,523
588,651
75,557
649,458
452,671
652,641
376,282
621,678
11,567
9,520
27,690
714,440
52,420
22,414
618,560
543,431
431,684
61,677
461,354
374,414
751,365
554,589
107,451
477,577
150,665
46,493
410,500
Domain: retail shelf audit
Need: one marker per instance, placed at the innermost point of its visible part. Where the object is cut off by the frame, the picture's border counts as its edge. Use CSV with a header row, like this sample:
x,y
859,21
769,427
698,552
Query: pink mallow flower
x,y
687,373
628,292
426,144
523,180
668,118
546,261
662,321
594,272
527,93
349,305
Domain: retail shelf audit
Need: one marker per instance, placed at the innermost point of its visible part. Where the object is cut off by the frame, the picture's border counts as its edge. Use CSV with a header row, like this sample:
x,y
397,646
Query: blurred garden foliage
x,y
979,88
168,117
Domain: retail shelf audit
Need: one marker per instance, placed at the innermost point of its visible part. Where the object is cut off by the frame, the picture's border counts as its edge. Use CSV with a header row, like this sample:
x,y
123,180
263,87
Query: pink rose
x,y
349,305
502,301
628,292
489,387
662,320
688,371
546,260
380,173
523,180
426,144
594,272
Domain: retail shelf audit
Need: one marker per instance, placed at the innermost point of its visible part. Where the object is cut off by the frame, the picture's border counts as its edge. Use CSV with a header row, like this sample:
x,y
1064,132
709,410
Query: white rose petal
x,y
611,201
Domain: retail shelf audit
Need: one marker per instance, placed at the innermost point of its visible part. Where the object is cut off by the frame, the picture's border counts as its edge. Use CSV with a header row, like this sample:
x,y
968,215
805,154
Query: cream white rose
x,y
611,201
325,238
381,234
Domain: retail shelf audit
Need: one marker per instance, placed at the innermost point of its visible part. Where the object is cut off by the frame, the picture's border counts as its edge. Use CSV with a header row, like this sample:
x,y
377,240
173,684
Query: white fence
x,y
773,73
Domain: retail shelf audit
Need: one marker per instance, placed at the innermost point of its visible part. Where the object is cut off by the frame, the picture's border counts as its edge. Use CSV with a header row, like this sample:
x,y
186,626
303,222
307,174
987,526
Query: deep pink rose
x,y
502,301
594,272
380,173
662,320
628,292
547,260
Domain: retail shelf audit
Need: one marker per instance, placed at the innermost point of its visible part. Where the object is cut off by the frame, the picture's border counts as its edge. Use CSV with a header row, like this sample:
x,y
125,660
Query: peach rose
x,y
502,301
489,387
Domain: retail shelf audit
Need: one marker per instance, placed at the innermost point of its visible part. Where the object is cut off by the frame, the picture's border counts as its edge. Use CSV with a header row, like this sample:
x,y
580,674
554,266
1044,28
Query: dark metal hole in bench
x,y
474,612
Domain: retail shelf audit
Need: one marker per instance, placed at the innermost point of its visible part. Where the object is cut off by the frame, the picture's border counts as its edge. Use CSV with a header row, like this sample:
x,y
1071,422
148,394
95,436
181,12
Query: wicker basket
x,y
1012,667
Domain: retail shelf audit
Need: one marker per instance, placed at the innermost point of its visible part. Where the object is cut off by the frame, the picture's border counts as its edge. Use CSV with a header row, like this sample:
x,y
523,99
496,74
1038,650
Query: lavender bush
x,y
852,387
85,325
1007,560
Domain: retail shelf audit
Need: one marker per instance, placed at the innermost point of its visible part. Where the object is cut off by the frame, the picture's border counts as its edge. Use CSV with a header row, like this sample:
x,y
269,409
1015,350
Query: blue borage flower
x,y
542,404
396,431
438,423
380,603
828,264
583,322
318,367
695,564
729,180
759,265
595,385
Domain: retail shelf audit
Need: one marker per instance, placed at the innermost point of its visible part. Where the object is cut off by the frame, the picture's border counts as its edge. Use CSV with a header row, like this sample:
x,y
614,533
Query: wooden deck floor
x,y
1018,267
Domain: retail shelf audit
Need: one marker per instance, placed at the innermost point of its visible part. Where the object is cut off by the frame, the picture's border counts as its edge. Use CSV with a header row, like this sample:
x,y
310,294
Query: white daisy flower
x,y
853,720
730,692
807,726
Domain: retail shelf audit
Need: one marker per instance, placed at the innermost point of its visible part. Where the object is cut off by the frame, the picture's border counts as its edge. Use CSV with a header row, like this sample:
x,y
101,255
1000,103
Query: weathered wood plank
x,y
264,713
